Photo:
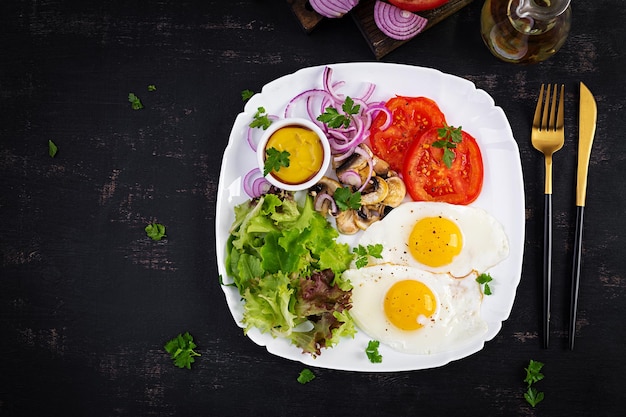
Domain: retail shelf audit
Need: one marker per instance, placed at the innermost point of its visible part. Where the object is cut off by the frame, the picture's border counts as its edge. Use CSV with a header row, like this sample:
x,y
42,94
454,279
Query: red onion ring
x,y
370,164
373,109
321,198
343,156
254,184
397,23
350,177
254,134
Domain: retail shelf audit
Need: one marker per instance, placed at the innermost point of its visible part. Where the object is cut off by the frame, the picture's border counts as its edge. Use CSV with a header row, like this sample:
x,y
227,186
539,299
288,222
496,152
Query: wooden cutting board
x,y
363,15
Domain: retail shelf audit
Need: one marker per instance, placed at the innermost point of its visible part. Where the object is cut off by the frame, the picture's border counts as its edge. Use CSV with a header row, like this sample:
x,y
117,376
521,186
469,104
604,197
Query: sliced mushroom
x,y
322,193
367,215
346,222
397,192
354,162
381,167
375,192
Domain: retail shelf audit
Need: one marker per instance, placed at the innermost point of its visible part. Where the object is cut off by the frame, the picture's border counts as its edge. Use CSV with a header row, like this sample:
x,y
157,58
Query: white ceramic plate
x,y
502,194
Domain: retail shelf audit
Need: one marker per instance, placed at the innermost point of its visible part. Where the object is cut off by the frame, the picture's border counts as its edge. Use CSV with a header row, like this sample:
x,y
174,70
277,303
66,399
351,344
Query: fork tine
x,y
537,118
552,125
560,116
544,121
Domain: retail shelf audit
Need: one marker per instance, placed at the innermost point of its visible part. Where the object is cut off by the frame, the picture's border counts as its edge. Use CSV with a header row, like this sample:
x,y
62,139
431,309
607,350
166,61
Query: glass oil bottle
x,y
525,31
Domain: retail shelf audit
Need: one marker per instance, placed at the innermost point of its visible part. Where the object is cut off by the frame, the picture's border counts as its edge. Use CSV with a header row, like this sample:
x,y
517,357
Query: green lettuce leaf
x,y
287,265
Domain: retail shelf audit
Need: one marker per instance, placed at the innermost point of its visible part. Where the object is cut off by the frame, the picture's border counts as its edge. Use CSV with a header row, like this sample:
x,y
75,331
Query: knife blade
x,y
587,119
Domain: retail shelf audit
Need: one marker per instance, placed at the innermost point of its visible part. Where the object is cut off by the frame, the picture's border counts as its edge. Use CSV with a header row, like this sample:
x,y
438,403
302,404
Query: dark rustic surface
x,y
87,301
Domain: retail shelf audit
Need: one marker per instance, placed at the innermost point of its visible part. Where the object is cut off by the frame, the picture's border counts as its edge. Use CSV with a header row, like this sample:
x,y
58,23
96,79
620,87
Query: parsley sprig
x,y
372,351
346,199
306,375
135,103
246,94
485,279
155,231
335,119
275,160
260,119
181,350
449,136
362,253
533,375
52,148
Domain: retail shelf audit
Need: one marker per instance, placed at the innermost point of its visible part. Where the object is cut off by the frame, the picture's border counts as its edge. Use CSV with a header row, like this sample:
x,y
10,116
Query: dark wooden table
x,y
87,300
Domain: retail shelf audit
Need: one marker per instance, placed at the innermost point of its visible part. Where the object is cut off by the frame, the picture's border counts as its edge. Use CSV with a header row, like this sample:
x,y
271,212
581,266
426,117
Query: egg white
x,y
485,243
456,322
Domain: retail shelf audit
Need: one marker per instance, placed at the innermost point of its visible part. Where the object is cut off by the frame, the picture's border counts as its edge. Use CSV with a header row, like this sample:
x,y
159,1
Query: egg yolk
x,y
306,153
435,241
408,304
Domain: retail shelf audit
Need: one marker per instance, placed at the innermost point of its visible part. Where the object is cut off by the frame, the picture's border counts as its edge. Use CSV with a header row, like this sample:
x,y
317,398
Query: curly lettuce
x,y
287,265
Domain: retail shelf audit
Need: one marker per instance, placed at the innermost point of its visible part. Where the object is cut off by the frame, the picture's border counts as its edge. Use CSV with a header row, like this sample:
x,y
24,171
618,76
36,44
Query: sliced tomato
x,y
427,178
411,117
418,5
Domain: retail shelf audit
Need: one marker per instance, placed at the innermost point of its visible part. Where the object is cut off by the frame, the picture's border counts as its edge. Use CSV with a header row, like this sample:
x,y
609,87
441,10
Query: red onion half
x,y
333,8
397,23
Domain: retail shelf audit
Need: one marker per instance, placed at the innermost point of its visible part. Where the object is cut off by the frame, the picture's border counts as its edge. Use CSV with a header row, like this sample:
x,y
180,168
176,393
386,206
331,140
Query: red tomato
x,y
411,117
418,5
427,178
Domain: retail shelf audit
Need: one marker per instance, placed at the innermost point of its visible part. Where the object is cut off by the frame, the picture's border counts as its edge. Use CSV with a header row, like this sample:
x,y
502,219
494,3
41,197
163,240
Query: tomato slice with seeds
x,y
427,178
411,117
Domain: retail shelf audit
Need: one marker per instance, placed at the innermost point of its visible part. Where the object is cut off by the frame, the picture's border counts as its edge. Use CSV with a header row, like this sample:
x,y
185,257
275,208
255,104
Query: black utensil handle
x,y
578,247
547,267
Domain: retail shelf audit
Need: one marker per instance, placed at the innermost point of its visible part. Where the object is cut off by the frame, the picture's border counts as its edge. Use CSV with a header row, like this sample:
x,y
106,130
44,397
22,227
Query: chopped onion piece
x,y
333,8
397,23
350,177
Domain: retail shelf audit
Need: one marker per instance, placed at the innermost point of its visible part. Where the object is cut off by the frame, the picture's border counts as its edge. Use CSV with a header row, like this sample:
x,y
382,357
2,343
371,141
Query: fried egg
x,y
439,237
415,311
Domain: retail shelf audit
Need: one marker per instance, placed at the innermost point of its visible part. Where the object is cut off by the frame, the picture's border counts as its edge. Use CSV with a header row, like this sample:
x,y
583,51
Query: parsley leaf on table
x,y
346,199
260,119
275,160
533,375
372,351
135,103
52,148
306,375
181,350
533,372
449,137
362,253
533,397
246,94
155,231
151,87
334,119
485,279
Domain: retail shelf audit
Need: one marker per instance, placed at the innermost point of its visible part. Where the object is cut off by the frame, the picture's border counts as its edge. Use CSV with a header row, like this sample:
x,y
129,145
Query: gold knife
x,y
586,132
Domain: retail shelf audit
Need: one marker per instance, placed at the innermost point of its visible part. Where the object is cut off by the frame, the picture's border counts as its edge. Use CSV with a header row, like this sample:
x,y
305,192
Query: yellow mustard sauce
x,y
305,150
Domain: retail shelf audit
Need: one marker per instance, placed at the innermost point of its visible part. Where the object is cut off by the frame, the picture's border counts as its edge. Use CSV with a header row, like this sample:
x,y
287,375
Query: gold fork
x,y
548,136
